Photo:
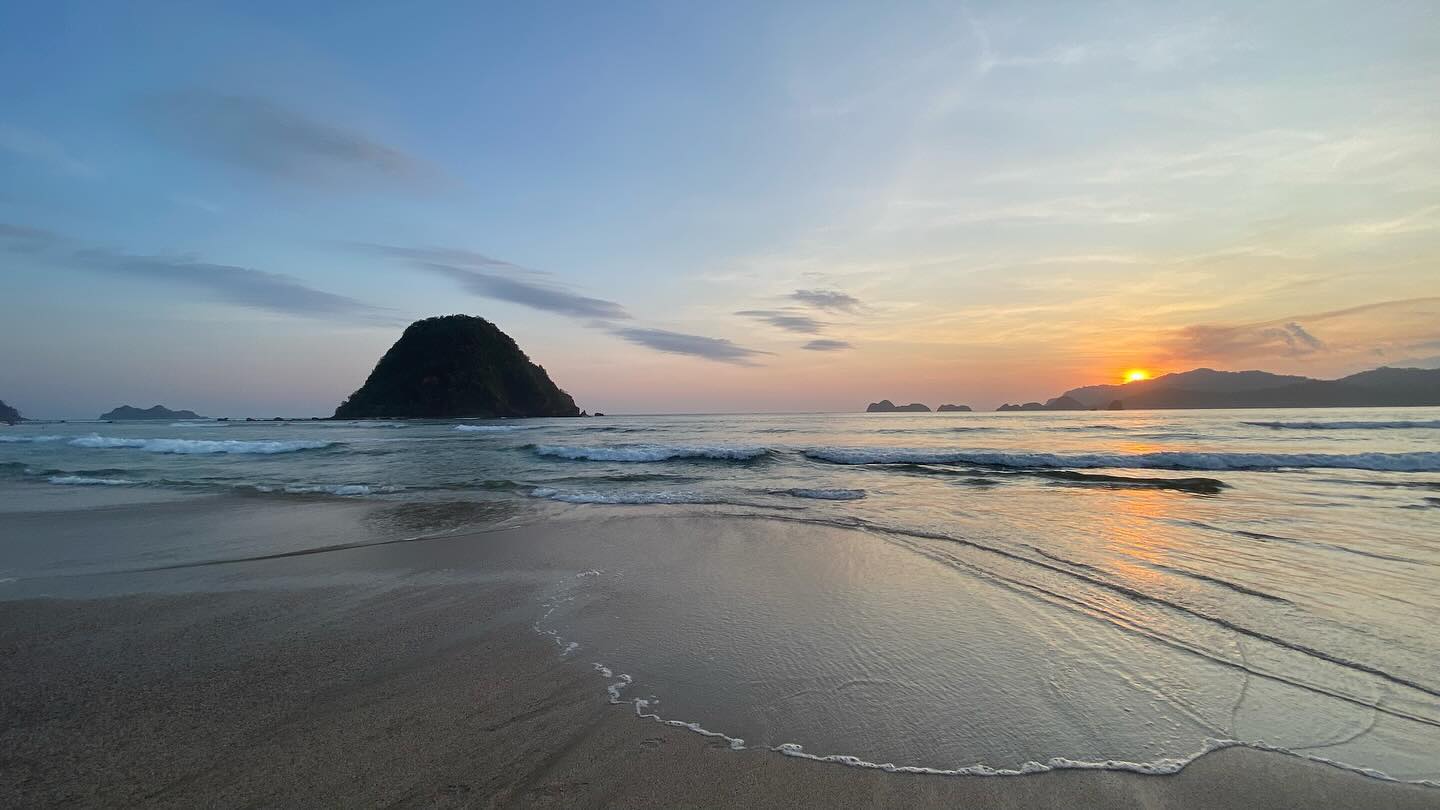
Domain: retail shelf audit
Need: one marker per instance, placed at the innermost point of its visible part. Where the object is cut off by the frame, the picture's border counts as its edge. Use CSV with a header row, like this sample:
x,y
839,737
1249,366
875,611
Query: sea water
x,y
1017,592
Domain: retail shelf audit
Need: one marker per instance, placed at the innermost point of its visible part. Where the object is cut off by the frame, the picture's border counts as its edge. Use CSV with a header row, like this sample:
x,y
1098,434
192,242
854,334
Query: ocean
x,y
1010,592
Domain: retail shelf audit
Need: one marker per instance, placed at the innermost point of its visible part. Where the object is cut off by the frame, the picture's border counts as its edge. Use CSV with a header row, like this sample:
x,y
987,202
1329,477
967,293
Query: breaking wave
x,y
662,497
86,481
197,446
344,490
491,428
650,452
1433,423
1385,462
825,494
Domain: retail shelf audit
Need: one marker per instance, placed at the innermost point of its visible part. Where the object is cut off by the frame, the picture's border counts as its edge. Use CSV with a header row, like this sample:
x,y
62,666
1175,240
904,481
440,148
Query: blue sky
x,y
767,206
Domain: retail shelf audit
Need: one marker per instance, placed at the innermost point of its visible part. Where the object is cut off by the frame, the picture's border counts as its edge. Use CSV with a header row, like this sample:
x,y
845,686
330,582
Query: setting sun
x,y
1136,375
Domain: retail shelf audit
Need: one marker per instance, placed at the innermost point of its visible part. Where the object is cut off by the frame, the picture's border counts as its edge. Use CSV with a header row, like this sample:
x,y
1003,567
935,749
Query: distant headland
x,y
1060,403
9,415
886,406
127,412
1207,388
456,366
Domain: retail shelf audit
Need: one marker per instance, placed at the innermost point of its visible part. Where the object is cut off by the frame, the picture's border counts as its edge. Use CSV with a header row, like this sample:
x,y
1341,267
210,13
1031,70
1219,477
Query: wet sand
x,y
409,675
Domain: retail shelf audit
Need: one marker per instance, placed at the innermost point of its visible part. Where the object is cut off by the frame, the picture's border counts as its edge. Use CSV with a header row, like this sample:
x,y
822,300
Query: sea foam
x,y
197,446
491,428
1386,462
651,452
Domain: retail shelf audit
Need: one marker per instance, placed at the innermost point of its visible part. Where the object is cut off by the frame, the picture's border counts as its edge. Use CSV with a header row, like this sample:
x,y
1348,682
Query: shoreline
x,y
417,674
460,718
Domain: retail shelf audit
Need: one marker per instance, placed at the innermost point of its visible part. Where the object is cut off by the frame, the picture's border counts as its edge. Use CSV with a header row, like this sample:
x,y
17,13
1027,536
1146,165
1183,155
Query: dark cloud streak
x,y
544,297
803,324
827,346
832,300
718,349
243,286
1246,340
267,138
493,278
500,280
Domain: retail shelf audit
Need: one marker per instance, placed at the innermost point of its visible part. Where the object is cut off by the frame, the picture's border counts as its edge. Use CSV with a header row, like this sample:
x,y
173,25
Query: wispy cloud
x,y
1425,219
231,284
37,147
489,277
500,280
532,294
825,345
1243,341
268,138
1397,324
832,300
1178,45
25,239
717,349
441,255
788,321
1066,210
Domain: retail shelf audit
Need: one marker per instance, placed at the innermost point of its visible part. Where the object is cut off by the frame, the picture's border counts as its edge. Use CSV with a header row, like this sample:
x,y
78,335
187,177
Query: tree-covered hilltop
x,y
456,366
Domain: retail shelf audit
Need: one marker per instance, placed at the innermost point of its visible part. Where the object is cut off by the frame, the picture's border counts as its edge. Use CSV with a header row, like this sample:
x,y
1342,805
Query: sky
x,y
685,207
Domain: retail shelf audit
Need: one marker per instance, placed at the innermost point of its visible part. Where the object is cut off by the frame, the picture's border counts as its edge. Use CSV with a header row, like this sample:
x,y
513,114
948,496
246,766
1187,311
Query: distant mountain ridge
x,y
155,412
1208,388
9,415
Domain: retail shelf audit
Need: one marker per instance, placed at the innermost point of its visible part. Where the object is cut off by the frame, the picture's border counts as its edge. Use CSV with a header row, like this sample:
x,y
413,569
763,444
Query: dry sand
x,y
428,688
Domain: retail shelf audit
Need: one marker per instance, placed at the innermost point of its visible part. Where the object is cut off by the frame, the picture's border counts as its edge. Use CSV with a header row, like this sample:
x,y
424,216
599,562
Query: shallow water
x,y
1028,588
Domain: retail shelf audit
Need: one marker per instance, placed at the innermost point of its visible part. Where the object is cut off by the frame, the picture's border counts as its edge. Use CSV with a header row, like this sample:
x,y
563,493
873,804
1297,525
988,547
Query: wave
x,y
662,497
825,494
344,490
84,481
491,428
1200,486
1432,423
1169,460
28,439
197,446
624,478
1204,486
650,452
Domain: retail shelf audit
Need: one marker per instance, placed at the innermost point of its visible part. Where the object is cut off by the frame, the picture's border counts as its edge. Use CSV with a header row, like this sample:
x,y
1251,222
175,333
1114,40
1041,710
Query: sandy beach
x,y
410,674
